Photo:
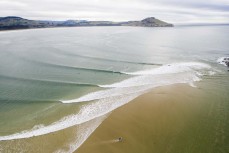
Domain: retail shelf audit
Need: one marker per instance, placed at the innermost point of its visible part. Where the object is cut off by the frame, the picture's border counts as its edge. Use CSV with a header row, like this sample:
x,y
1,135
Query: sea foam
x,y
172,68
118,94
223,60
87,112
164,75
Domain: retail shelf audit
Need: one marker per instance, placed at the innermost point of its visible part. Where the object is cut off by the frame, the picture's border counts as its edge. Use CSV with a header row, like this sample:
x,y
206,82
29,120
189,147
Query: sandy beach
x,y
172,119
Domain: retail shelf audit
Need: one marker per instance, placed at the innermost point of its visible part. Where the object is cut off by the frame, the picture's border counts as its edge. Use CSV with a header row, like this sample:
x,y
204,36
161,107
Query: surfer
x,y
120,139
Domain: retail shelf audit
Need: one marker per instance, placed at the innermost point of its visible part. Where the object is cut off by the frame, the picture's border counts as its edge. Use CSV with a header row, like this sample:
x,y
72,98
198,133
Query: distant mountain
x,y
13,22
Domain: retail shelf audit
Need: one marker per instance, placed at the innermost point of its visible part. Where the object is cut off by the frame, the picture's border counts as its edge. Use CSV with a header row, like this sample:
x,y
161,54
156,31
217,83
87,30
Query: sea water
x,y
53,80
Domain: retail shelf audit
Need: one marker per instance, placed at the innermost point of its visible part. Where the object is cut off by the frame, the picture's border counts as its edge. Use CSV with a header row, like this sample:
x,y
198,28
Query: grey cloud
x,y
175,11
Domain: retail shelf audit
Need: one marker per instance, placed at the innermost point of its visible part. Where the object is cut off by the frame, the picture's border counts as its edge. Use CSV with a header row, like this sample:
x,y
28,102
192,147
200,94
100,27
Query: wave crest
x,y
119,94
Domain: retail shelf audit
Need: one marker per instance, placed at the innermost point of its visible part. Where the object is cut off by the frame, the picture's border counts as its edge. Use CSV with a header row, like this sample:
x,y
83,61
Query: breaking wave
x,y
118,94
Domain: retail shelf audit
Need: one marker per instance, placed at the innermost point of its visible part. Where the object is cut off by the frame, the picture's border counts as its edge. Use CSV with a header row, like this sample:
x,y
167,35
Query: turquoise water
x,y
53,79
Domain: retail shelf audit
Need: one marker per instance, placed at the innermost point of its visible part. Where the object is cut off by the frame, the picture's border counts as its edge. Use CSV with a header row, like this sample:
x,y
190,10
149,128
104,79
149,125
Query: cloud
x,y
174,11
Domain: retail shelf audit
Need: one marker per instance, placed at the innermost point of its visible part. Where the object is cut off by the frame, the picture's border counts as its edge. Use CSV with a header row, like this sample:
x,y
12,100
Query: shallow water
x,y
55,79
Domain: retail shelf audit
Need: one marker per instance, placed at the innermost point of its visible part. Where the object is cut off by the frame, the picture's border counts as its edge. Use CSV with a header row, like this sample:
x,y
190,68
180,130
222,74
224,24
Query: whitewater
x,y
119,94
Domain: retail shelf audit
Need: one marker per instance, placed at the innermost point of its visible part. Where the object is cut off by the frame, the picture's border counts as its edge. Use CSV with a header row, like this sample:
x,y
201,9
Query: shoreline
x,y
14,22
54,28
174,119
166,119
120,122
8,30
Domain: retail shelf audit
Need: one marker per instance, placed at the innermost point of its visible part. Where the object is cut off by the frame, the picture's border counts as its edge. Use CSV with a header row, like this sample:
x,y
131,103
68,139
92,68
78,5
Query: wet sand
x,y
172,119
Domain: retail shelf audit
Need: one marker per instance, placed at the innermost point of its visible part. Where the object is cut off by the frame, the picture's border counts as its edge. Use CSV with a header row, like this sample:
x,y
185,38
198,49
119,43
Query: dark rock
x,y
227,63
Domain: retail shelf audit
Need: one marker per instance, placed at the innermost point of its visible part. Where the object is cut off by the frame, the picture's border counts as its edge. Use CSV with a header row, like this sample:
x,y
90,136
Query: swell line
x,y
67,66
48,81
104,59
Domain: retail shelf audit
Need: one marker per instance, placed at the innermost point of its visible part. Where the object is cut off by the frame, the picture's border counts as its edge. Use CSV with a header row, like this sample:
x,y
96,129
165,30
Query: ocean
x,y
63,82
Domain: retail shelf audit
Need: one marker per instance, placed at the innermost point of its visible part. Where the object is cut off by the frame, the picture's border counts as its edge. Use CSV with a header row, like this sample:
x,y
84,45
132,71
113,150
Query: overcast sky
x,y
174,11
